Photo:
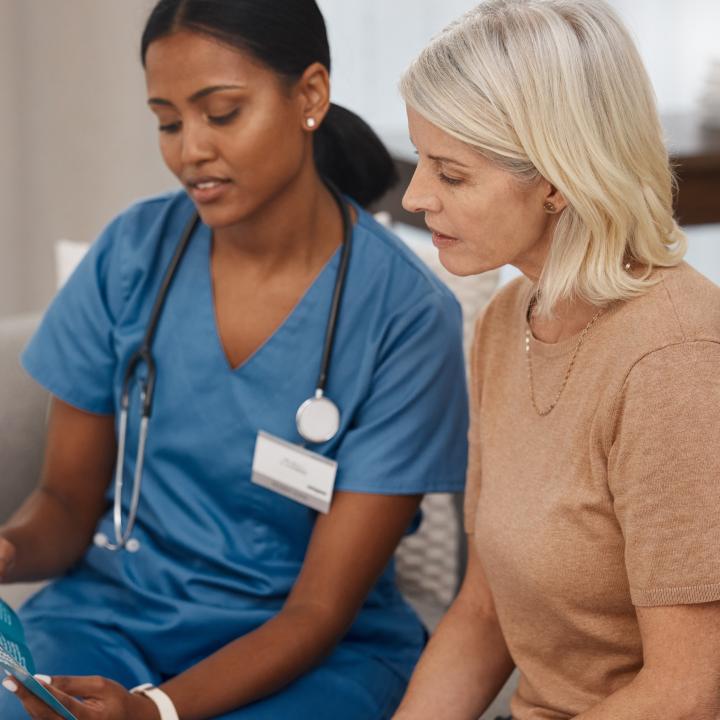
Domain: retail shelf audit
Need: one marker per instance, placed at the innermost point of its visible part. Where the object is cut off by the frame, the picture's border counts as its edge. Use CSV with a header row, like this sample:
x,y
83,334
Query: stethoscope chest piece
x,y
318,419
101,540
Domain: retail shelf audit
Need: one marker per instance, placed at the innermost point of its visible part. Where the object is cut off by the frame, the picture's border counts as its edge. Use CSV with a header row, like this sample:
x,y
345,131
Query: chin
x,y
219,217
464,264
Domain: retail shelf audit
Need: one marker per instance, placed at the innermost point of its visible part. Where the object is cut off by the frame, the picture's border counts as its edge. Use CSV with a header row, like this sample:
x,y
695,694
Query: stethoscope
x,y
317,419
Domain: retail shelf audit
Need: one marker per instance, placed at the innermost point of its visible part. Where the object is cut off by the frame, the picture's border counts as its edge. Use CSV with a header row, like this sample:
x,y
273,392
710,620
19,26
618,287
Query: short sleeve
x,y
664,475
409,434
472,486
72,353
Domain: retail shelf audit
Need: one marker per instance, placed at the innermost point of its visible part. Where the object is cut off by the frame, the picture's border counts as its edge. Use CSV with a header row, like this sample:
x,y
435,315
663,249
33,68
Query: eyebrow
x,y
199,94
439,158
442,159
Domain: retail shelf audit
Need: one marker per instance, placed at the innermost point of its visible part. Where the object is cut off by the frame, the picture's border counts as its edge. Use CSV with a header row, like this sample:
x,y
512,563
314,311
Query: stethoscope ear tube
x,y
318,418
147,389
337,292
122,537
147,392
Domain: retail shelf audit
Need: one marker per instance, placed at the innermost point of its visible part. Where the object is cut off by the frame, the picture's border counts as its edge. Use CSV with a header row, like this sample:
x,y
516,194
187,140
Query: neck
x,y
533,260
570,317
294,228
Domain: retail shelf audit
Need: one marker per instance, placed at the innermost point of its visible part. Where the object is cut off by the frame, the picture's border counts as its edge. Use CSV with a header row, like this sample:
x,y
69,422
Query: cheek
x,y
482,222
504,218
268,152
170,153
494,227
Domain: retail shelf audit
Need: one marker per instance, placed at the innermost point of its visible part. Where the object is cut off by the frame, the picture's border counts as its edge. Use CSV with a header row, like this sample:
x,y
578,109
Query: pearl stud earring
x,y
311,123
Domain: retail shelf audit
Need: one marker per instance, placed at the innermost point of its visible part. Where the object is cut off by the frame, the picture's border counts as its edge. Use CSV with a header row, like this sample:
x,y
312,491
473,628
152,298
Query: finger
x,y
86,687
40,711
75,706
36,709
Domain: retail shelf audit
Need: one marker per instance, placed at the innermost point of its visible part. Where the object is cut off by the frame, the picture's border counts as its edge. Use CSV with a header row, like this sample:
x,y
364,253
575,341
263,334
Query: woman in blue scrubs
x,y
240,602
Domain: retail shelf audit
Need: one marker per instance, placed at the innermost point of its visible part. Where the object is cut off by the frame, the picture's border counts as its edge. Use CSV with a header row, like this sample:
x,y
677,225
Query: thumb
x,y
86,687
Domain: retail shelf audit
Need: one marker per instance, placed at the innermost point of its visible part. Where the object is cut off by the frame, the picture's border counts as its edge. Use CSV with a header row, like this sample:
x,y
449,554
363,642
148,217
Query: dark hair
x,y
287,36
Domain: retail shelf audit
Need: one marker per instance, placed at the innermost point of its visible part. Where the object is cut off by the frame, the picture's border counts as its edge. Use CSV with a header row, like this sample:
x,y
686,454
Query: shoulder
x,y
388,265
144,234
123,245
671,398
149,217
679,315
692,303
666,345
677,373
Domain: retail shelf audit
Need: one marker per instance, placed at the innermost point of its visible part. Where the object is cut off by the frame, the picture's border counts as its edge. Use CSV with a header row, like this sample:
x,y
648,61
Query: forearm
x,y
255,665
47,536
462,670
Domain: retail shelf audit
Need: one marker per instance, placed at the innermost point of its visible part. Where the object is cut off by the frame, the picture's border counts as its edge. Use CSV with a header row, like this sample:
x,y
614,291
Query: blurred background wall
x,y
677,39
77,141
78,144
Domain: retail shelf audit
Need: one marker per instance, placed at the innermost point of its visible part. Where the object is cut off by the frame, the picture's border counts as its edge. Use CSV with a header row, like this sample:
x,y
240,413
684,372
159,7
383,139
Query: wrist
x,y
164,707
143,708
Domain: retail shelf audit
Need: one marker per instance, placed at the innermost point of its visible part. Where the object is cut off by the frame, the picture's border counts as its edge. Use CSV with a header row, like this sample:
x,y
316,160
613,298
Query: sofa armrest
x,y
23,409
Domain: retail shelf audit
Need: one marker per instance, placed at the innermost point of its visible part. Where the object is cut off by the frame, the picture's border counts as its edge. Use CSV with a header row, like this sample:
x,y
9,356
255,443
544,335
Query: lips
x,y
440,240
206,185
206,189
205,182
439,233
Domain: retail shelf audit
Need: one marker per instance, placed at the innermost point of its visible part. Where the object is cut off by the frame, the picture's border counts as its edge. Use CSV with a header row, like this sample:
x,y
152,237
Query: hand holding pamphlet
x,y
16,660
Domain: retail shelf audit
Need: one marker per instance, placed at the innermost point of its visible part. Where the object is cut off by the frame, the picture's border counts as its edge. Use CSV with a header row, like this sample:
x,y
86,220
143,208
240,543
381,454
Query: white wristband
x,y
163,703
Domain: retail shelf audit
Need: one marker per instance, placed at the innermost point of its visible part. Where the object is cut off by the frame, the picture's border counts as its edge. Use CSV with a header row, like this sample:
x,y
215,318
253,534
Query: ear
x,y
313,93
553,198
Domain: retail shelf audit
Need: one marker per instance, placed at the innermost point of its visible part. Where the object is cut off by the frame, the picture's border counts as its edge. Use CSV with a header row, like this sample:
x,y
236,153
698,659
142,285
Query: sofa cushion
x,y
23,408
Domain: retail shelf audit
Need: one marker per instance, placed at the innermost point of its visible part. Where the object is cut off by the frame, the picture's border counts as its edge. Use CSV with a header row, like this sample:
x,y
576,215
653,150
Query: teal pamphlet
x,y
15,659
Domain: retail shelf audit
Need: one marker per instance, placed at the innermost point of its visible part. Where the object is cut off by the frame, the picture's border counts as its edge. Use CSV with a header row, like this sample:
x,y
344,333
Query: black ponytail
x,y
287,36
348,152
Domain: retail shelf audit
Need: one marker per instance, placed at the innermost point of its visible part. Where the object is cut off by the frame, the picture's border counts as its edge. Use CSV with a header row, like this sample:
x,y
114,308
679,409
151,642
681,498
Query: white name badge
x,y
294,472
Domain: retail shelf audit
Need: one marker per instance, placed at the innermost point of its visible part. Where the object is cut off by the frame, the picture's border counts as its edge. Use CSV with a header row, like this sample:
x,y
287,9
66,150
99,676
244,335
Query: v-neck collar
x,y
292,322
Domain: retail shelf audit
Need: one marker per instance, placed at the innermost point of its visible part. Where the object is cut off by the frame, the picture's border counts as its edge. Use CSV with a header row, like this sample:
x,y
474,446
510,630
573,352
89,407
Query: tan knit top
x,y
610,501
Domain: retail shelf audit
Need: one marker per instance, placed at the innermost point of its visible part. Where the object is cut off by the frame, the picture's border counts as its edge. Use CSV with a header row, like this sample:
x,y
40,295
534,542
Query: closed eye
x,y
449,180
224,119
169,128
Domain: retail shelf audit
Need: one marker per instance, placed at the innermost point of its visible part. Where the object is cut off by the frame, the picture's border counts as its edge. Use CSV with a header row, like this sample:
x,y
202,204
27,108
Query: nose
x,y
419,196
197,146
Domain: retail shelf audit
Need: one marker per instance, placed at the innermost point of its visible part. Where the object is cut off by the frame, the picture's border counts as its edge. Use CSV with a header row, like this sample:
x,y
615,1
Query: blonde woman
x,y
593,499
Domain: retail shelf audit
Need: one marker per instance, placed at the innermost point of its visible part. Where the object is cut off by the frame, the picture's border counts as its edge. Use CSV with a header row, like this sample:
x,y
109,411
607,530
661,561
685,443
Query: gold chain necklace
x,y
528,336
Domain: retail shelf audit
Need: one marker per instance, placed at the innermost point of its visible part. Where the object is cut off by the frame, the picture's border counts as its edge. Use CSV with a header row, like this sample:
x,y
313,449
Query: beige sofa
x,y
23,406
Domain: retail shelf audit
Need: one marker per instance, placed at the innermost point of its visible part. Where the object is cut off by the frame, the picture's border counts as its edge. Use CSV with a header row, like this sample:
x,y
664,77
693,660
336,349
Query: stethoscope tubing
x,y
337,293
143,355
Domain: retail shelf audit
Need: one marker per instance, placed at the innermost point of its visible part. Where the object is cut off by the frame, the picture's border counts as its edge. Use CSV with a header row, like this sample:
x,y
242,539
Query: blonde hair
x,y
556,89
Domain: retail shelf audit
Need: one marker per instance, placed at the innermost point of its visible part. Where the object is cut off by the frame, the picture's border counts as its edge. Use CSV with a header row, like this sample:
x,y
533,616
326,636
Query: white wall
x,y
82,142
704,250
677,39
374,40
11,247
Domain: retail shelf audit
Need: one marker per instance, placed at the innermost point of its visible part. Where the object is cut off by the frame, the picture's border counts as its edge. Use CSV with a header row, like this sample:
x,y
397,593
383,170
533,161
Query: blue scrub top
x,y
219,555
